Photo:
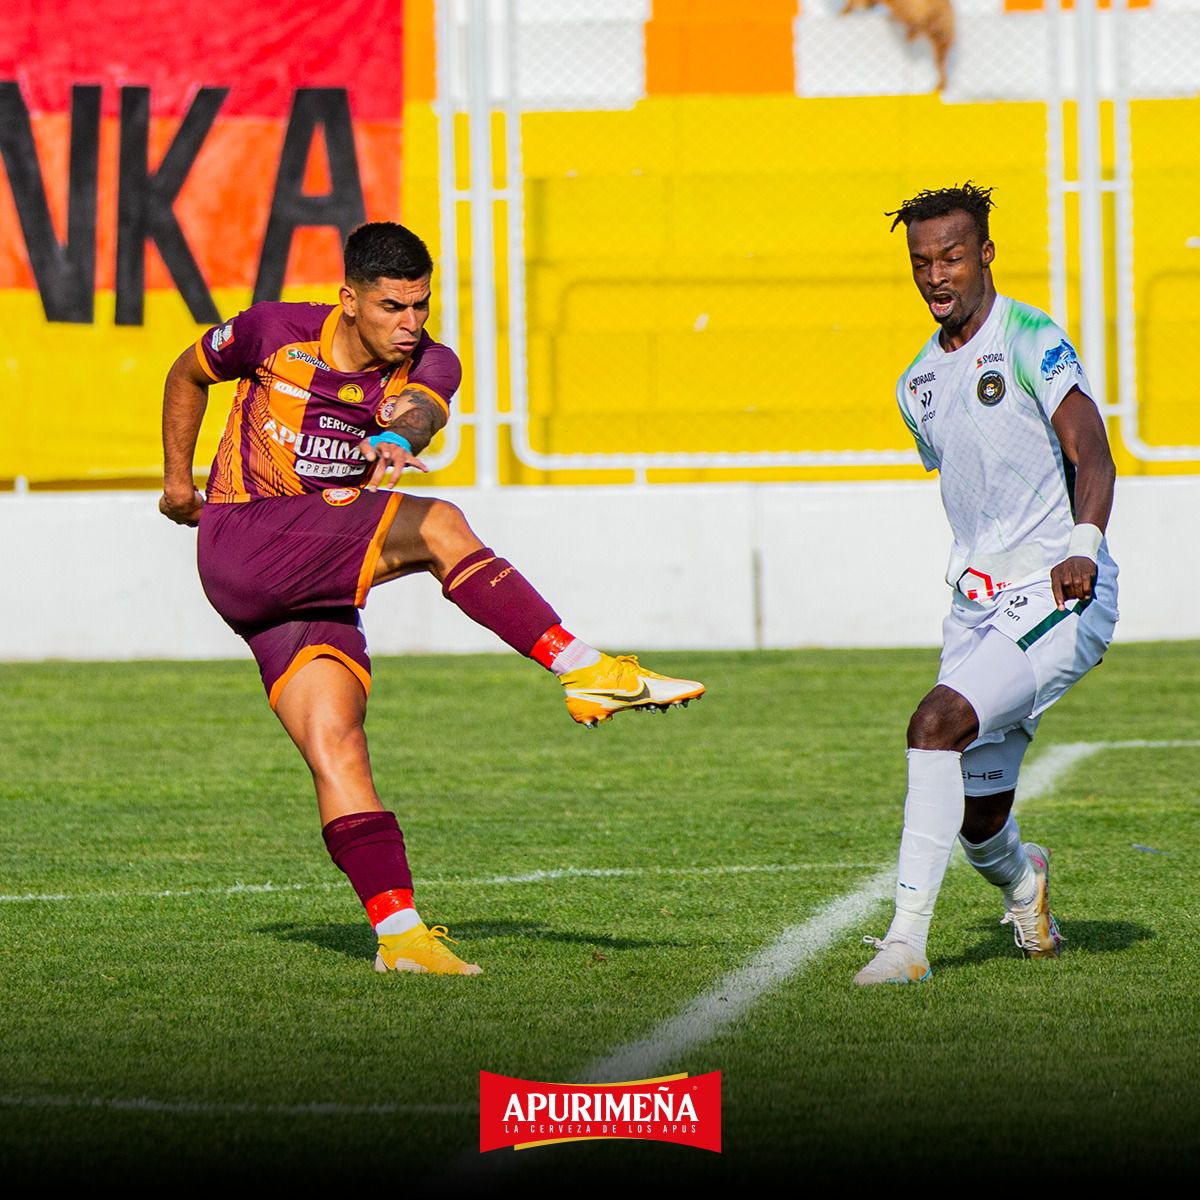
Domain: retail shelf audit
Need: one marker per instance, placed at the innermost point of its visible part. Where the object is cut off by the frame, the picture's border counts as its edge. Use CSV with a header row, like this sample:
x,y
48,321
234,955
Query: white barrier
x,y
103,576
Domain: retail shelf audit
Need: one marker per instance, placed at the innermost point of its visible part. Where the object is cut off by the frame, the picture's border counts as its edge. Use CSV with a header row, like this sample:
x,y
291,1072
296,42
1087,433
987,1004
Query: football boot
x,y
1035,930
613,685
423,951
895,962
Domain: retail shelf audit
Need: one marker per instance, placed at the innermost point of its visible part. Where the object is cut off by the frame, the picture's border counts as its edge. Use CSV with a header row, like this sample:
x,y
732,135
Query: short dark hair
x,y
976,202
385,250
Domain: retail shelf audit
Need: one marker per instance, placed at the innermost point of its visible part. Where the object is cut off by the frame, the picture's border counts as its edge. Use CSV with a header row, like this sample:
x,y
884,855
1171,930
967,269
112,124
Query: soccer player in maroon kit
x,y
333,403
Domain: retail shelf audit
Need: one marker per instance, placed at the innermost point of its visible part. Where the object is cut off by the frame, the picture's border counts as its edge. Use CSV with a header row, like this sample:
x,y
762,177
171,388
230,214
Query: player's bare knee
x,y
447,534
333,746
944,720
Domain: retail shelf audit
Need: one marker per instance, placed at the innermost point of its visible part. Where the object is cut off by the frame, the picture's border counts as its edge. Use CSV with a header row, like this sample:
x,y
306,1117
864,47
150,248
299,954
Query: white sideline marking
x,y
253,889
201,1108
798,945
721,1005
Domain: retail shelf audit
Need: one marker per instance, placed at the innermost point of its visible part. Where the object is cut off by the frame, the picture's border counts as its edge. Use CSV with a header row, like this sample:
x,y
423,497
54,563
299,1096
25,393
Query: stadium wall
x,y
103,576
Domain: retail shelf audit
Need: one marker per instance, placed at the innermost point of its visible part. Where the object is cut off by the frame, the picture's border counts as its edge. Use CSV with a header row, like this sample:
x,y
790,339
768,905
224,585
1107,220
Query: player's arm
x,y
185,397
1081,433
419,415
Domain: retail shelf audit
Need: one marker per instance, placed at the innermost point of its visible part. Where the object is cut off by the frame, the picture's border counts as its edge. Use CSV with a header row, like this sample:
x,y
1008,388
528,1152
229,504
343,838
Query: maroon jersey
x,y
296,421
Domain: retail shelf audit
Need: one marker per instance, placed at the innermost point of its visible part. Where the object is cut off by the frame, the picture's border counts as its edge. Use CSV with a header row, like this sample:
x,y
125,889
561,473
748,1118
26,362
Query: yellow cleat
x,y
423,951
613,685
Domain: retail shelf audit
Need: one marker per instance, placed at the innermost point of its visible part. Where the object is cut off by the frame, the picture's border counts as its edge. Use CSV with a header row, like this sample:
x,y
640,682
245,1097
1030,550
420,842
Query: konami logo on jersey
x,y
523,1113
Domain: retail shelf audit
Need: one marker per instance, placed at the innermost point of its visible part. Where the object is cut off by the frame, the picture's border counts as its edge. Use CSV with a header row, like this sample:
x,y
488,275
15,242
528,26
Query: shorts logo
x,y
340,497
386,413
1061,358
351,393
990,388
221,337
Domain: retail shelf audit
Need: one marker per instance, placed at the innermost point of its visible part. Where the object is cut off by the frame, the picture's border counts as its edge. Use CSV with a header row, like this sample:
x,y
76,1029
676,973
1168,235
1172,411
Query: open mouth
x,y
940,305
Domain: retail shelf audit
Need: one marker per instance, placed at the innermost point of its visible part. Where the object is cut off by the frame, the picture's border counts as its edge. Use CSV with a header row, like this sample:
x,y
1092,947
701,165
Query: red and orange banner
x,y
523,1113
163,166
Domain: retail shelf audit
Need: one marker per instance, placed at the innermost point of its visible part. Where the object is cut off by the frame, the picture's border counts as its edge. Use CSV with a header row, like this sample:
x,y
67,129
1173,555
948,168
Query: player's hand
x,y
390,462
182,507
1073,579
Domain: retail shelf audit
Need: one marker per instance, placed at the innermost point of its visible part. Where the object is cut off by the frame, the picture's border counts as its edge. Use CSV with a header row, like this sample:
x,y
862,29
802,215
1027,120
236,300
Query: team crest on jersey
x,y
386,413
351,393
990,388
221,337
340,497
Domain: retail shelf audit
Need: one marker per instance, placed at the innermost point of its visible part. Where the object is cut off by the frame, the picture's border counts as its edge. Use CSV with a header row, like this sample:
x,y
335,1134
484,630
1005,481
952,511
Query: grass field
x,y
166,1016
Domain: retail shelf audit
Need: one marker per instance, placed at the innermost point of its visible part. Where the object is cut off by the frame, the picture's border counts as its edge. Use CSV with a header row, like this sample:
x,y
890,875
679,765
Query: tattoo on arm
x,y
423,417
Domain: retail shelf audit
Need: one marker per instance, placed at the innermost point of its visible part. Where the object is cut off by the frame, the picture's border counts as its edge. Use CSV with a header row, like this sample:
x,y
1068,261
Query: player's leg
x,y
434,536
321,700
991,841
986,683
942,726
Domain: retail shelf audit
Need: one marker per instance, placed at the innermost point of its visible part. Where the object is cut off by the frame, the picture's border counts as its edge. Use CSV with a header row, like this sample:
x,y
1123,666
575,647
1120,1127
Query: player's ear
x,y
349,298
988,252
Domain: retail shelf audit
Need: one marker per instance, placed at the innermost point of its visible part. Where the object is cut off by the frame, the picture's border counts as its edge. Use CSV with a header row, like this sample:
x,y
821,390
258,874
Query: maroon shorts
x,y
290,574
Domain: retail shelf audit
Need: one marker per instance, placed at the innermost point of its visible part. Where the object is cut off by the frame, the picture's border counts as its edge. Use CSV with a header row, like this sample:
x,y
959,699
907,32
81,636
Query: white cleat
x,y
1035,931
896,962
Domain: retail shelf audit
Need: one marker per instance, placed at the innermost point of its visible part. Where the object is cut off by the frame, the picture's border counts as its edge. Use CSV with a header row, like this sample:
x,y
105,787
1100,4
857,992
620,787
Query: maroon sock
x,y
369,847
493,593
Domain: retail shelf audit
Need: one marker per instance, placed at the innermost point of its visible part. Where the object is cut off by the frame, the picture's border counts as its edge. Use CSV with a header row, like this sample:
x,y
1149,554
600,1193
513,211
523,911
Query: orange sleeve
x,y
204,362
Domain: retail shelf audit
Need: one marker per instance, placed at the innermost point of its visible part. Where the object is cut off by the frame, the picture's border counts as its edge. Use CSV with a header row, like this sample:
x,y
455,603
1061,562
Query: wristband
x,y
1085,542
395,439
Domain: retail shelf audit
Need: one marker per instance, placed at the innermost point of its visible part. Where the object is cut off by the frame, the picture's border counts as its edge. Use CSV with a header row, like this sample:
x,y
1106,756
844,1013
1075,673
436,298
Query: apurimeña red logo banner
x,y
675,1108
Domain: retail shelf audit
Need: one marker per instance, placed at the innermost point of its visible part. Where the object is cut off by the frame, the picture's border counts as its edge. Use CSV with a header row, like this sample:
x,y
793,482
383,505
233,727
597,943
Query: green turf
x,y
119,782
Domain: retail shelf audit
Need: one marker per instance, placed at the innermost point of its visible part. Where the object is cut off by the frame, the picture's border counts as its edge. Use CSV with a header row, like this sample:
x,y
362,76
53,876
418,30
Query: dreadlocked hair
x,y
976,202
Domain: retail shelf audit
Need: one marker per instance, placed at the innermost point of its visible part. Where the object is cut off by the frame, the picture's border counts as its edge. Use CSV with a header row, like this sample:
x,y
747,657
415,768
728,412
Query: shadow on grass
x,y
1091,937
353,940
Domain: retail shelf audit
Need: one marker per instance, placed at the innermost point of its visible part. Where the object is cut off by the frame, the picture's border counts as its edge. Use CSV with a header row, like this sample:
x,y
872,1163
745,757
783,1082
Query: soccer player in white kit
x,y
998,404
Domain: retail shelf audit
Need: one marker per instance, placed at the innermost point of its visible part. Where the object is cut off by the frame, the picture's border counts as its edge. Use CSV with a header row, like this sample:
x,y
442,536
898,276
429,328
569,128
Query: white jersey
x,y
981,416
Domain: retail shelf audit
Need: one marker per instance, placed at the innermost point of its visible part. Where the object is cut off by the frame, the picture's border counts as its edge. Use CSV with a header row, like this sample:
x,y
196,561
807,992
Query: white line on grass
x,y
233,1108
253,889
721,1005
798,945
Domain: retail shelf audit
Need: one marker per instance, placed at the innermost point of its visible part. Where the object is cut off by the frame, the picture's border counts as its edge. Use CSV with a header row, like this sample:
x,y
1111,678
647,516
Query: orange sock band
x,y
381,907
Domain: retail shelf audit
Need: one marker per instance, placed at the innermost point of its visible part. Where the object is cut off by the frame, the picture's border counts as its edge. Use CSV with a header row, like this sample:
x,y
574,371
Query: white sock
x,y
933,815
400,921
1002,860
574,656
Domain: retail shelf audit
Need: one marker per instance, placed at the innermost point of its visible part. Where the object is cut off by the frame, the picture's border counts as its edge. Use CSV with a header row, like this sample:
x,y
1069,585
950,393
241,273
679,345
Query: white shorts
x,y
1013,659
